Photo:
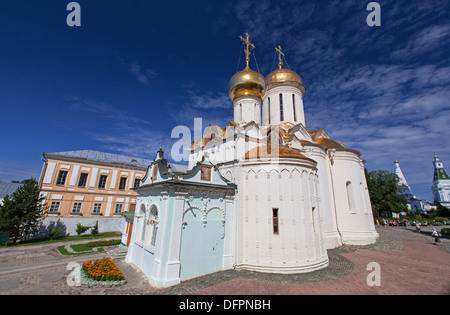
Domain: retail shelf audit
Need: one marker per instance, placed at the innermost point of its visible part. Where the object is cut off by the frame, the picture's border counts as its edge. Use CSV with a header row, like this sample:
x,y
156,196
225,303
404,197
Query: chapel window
x,y
350,197
281,107
275,221
293,106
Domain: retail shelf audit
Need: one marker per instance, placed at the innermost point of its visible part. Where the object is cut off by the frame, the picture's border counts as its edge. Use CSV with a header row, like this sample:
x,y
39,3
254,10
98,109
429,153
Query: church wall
x,y
354,217
331,235
291,189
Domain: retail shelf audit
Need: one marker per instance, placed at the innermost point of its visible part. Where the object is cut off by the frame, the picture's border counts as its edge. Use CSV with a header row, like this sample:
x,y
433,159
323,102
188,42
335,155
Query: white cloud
x,y
138,72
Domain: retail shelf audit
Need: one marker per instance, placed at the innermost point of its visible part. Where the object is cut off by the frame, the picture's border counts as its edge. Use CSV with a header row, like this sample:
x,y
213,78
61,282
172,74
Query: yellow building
x,y
85,186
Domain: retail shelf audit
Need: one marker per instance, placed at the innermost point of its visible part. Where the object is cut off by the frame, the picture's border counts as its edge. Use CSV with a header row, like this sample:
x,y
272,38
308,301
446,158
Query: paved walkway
x,y
409,264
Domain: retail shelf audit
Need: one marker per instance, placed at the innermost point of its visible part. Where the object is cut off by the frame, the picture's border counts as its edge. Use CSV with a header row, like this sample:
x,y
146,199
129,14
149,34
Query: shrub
x,y
94,229
55,233
81,229
445,231
441,219
418,217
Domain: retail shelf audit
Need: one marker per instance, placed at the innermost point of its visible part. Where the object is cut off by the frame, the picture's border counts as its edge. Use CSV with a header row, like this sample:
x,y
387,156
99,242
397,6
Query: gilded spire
x,y
280,56
246,40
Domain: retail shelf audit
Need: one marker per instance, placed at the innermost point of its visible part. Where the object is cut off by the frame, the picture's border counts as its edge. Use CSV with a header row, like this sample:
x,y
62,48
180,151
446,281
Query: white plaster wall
x,y
331,235
288,106
69,225
355,225
292,188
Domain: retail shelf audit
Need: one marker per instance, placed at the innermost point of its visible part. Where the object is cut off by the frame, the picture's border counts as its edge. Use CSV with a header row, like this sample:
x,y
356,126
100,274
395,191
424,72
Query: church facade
x,y
262,193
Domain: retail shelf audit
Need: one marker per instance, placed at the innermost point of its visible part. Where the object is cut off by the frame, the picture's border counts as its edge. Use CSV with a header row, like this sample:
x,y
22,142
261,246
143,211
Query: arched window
x,y
350,197
293,106
142,213
153,222
281,107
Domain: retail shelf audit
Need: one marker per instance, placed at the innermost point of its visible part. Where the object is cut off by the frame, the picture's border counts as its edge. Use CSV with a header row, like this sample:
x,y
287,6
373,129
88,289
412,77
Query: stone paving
x,y
409,264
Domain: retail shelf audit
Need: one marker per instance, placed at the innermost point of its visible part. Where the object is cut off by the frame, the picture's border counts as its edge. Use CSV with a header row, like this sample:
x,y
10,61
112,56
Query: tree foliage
x,y
21,212
385,194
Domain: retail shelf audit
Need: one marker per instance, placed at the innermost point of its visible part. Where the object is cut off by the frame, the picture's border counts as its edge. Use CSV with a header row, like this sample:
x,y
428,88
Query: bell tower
x,y
441,183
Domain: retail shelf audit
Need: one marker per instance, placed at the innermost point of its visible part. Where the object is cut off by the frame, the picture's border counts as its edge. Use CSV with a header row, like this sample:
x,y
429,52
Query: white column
x,y
228,240
161,242
173,263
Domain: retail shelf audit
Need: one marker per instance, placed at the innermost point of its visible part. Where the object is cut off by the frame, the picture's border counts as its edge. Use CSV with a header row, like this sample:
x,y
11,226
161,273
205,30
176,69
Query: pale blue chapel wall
x,y
144,256
202,244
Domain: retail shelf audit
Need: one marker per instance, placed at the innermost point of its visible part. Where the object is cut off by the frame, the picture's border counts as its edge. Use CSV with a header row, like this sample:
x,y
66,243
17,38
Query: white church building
x,y
262,193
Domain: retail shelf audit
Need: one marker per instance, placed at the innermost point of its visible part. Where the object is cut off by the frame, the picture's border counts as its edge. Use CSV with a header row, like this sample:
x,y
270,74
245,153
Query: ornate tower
x,y
283,100
246,90
441,183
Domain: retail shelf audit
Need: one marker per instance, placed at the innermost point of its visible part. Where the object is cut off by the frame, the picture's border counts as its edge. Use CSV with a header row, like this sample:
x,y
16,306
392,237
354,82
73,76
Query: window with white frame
x,y
61,179
76,208
118,208
102,181
97,208
122,183
54,207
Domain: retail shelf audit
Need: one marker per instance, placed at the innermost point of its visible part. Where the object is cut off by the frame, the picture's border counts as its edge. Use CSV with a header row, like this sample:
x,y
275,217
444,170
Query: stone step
x,y
118,253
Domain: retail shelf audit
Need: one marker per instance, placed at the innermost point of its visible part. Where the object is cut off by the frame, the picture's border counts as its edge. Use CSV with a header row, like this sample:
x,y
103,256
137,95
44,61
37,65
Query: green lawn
x,y
63,239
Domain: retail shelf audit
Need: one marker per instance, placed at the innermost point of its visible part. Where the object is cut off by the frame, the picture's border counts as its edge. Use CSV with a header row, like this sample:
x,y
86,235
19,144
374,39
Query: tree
x,y
385,194
21,212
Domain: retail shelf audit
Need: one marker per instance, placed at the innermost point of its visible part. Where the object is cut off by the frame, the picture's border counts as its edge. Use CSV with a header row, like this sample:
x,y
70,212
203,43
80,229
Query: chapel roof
x,y
275,151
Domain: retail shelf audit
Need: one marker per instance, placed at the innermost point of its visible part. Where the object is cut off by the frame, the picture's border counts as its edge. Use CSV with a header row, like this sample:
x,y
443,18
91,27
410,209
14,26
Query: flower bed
x,y
104,269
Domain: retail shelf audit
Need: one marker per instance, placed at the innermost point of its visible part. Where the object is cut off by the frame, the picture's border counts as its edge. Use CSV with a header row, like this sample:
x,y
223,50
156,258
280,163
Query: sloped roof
x,y
275,151
111,158
8,188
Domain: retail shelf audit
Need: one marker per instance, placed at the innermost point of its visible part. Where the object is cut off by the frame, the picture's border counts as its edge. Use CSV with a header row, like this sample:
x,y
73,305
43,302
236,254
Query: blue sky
x,y
136,69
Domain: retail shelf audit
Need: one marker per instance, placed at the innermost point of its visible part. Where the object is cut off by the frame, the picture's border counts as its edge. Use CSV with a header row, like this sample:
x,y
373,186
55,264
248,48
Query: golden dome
x,y
285,76
247,82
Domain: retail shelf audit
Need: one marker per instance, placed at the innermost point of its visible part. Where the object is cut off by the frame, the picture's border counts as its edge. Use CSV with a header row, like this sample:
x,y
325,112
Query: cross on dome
x,y
248,44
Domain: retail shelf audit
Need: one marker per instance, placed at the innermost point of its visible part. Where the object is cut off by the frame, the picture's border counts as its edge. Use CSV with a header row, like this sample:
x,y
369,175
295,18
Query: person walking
x,y
437,237
417,226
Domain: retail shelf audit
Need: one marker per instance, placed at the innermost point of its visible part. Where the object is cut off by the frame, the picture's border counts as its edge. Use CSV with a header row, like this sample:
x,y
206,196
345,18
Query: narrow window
x,y
313,219
118,209
61,180
54,207
76,208
122,183
83,179
268,105
137,182
97,208
102,181
293,106
350,198
281,107
275,221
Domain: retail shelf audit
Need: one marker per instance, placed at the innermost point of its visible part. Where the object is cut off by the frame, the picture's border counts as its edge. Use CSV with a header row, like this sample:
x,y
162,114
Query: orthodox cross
x,y
280,56
248,44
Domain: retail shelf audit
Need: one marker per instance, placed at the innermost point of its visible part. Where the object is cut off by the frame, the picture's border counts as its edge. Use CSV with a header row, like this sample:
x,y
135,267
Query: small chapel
x,y
263,193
